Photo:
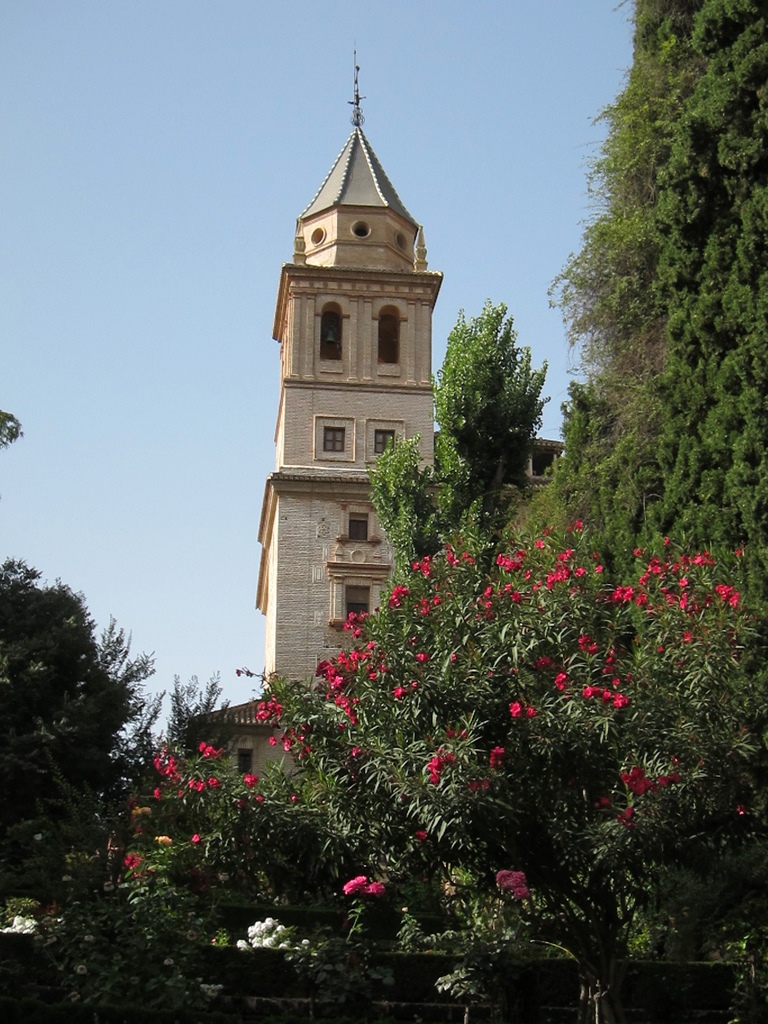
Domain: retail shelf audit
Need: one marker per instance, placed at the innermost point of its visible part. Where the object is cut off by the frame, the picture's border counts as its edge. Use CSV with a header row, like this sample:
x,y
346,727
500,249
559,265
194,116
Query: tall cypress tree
x,y
713,268
667,298
610,293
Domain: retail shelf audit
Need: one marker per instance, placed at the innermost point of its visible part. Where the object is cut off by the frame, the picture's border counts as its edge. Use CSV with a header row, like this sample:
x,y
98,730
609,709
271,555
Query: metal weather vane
x,y
357,114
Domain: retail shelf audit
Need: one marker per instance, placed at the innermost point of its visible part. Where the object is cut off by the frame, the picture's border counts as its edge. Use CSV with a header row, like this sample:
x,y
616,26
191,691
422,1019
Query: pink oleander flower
x,y
496,757
514,882
361,886
355,885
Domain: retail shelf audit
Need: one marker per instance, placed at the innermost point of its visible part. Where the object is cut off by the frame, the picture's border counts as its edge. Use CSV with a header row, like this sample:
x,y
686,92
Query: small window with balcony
x,y
382,439
333,439
358,526
357,600
389,337
330,333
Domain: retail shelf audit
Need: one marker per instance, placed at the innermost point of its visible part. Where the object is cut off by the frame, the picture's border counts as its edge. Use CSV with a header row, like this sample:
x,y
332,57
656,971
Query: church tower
x,y
354,325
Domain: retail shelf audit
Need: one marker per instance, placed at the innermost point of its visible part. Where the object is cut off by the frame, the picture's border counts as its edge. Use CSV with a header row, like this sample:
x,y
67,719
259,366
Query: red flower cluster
x,y
269,710
558,575
362,886
728,594
517,710
436,766
208,751
496,757
425,606
396,598
618,700
132,861
402,691
424,566
627,817
639,783
452,558
511,563
514,882
587,644
165,764
297,740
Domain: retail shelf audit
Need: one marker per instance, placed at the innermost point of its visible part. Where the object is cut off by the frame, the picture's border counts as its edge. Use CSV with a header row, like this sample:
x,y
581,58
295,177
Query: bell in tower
x,y
330,334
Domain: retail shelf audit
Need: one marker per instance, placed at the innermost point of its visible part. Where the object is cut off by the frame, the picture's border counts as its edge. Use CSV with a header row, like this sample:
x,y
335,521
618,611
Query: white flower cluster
x,y
211,991
270,934
22,926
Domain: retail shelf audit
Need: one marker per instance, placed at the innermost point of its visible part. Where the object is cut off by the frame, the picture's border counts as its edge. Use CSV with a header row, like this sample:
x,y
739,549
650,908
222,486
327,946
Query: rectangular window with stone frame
x,y
382,439
333,439
358,526
357,600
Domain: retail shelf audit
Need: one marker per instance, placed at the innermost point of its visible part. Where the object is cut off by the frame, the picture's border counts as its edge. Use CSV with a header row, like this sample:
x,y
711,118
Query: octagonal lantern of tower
x,y
354,324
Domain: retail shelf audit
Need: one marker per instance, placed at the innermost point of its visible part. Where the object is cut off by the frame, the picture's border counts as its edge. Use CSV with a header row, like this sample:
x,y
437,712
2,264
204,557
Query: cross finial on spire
x,y
357,114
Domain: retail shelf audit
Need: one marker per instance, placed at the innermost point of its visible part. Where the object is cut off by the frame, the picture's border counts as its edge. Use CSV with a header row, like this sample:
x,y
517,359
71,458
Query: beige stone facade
x,y
354,325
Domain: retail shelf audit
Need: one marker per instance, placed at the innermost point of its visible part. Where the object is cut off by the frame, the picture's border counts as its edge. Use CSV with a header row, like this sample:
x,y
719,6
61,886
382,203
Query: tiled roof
x,y
357,179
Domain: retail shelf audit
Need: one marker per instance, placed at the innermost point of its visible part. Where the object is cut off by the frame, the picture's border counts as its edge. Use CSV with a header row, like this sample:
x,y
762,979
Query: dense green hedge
x,y
663,992
33,1011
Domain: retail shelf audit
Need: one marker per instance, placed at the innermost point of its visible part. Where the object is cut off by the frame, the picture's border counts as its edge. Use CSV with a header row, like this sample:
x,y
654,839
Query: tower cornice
x,y
350,279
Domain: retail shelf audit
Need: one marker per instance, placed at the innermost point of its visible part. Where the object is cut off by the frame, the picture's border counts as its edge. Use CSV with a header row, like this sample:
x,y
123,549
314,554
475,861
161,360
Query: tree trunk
x,y
600,999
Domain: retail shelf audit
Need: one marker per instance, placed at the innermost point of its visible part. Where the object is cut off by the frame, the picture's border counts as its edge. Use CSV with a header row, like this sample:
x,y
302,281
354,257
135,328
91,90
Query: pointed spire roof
x,y
357,179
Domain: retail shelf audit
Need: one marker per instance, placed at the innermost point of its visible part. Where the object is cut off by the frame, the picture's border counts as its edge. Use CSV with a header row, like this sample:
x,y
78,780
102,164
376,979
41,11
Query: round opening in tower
x,y
361,229
400,239
317,236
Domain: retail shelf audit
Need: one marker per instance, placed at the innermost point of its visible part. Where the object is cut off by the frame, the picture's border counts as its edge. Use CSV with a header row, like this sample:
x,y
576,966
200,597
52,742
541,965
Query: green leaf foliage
x,y
714,215
10,429
610,294
532,717
402,492
66,699
488,408
666,298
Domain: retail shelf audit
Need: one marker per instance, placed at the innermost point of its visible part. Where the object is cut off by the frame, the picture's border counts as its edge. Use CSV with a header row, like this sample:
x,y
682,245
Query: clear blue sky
x,y
154,155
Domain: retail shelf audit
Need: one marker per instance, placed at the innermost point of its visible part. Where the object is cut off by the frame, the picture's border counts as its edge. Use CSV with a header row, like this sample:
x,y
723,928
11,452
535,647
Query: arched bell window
x,y
330,332
389,336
